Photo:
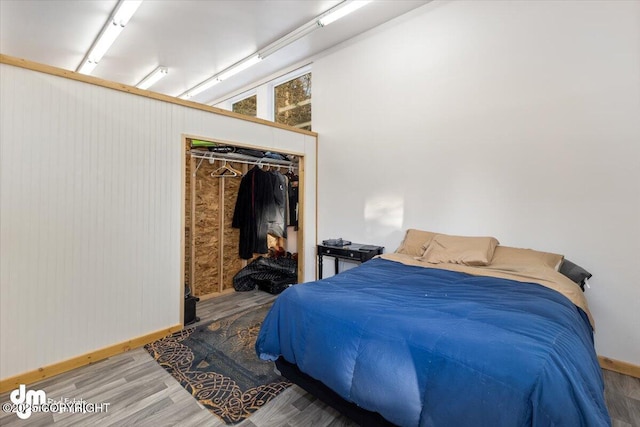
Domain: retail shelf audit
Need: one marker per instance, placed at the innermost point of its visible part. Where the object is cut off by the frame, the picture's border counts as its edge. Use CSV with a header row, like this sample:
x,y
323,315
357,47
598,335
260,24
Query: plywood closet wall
x,y
211,243
210,202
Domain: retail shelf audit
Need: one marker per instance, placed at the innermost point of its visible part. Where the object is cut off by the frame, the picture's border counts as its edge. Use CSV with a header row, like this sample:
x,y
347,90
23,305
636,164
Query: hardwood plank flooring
x,y
141,393
622,395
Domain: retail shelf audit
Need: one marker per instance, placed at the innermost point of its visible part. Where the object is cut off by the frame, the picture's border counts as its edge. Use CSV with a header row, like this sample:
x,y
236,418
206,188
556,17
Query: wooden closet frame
x,y
192,191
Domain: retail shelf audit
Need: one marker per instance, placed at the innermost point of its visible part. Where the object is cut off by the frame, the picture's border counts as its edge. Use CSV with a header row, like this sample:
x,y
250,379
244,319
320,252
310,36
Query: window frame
x,y
287,78
265,94
228,104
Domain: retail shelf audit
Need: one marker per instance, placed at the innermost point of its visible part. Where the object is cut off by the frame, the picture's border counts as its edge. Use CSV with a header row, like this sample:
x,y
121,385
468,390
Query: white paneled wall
x,y
91,199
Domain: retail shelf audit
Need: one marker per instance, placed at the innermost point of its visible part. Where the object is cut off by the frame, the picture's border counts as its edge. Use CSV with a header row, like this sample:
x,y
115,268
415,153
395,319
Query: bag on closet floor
x,y
273,273
275,286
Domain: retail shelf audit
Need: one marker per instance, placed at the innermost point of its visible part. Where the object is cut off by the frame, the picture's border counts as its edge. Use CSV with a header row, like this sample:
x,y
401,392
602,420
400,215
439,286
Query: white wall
x,y
90,213
519,120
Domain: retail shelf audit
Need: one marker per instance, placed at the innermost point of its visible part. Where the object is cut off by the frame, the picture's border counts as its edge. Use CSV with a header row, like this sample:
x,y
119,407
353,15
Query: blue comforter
x,y
430,347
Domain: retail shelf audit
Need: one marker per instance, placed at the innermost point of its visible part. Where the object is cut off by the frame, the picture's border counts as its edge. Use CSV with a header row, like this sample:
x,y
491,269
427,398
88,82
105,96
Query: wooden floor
x,y
141,393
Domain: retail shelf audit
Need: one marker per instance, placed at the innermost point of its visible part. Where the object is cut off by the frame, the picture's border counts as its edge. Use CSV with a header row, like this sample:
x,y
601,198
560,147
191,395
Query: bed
x,y
500,339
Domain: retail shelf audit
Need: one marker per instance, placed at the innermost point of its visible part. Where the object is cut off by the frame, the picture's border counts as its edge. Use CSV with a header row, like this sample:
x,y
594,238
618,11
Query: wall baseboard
x,y
619,366
27,378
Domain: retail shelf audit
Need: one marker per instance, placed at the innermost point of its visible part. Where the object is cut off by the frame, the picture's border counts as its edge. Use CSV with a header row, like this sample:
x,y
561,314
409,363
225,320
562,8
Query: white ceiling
x,y
195,39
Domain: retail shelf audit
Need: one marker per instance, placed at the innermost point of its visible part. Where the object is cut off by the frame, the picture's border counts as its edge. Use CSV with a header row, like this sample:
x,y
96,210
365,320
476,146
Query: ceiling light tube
x,y
105,41
125,11
110,32
100,47
209,83
153,78
87,67
286,40
240,66
225,74
332,15
341,11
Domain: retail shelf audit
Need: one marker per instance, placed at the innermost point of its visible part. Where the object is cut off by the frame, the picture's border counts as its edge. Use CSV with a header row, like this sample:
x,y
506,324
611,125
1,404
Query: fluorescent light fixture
x,y
341,11
286,40
327,18
223,75
106,39
87,67
110,32
153,78
320,21
125,11
209,83
240,66
103,43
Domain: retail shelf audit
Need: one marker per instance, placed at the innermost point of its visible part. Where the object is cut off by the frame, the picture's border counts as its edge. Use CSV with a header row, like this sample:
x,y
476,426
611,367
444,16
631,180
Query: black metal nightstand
x,y
356,252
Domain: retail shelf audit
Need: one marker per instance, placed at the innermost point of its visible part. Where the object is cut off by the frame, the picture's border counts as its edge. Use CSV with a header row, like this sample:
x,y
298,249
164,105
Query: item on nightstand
x,y
368,248
336,242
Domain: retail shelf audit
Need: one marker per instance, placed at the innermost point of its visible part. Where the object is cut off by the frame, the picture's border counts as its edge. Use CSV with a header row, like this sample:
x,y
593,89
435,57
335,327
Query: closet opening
x,y
218,242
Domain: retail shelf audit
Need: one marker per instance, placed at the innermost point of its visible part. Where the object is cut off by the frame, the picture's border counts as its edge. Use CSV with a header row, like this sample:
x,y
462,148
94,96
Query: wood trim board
x,y
301,212
221,219
619,366
60,72
83,360
192,219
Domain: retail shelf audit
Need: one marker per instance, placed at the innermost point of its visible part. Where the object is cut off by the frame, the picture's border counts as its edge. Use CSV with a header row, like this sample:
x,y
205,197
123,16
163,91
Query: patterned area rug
x,y
217,364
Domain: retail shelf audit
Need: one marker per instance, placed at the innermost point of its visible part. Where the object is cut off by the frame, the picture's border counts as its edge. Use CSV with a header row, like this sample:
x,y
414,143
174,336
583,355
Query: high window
x,y
285,99
293,102
247,106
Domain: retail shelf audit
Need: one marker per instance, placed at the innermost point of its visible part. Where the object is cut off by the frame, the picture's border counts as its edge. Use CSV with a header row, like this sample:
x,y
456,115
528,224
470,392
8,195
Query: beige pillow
x,y
460,250
508,258
415,242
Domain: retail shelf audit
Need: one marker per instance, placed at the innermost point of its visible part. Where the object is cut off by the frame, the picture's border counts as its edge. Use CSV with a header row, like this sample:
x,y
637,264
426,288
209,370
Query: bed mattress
x,y
433,347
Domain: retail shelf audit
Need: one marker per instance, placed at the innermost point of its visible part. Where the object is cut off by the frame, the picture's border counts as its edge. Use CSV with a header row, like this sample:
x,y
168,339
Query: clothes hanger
x,y
234,170
291,174
222,171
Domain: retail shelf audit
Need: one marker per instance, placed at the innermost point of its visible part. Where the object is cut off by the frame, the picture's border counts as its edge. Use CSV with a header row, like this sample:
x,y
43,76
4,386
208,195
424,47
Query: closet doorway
x,y
214,170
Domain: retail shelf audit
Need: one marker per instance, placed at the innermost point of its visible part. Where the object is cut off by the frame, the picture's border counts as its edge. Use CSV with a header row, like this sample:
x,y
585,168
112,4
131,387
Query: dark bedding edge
x,y
331,398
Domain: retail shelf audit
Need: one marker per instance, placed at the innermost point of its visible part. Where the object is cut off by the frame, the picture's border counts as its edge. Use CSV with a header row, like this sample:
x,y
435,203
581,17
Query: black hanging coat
x,y
253,212
277,222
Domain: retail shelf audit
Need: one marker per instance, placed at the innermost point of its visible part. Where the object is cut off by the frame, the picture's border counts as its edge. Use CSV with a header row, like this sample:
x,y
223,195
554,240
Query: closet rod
x,y
235,158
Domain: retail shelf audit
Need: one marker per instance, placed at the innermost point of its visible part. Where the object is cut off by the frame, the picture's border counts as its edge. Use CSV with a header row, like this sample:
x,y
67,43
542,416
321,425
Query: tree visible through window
x,y
293,102
247,106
